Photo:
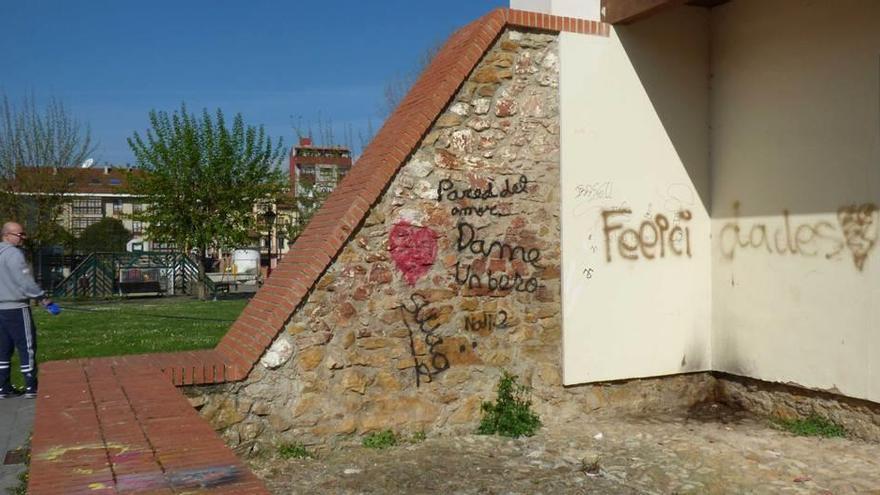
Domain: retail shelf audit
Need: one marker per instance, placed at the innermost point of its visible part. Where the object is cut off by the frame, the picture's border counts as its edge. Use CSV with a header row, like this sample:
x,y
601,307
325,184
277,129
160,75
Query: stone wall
x,y
861,418
452,278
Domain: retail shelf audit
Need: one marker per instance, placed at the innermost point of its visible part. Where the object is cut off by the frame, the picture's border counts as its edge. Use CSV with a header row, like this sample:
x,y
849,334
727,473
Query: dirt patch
x,y
710,449
717,412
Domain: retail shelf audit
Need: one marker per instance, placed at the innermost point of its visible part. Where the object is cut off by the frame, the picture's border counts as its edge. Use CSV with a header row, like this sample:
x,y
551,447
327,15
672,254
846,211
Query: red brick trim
x,y
553,23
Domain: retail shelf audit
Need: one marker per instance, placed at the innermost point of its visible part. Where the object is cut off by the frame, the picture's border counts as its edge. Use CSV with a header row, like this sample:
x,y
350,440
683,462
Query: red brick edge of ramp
x,y
120,425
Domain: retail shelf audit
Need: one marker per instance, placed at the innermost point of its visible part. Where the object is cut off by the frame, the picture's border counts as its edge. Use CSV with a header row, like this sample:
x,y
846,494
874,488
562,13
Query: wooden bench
x,y
151,287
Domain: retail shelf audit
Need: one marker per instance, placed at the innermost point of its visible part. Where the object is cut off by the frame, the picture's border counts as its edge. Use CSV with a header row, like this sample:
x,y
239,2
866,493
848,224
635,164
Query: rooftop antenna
x,y
88,163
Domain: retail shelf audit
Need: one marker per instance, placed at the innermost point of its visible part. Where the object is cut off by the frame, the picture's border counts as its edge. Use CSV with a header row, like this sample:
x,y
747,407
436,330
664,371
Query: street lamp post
x,y
279,242
270,217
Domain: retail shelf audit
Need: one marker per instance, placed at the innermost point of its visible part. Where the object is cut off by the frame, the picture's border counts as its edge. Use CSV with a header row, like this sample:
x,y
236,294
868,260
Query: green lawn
x,y
131,327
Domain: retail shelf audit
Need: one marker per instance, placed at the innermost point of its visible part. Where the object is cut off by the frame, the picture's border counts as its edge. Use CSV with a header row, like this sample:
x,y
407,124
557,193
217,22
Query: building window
x,y
87,207
137,227
327,174
80,223
117,206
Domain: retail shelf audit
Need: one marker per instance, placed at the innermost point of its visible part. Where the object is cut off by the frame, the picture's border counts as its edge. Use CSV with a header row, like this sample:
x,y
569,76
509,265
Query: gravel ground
x,y
708,450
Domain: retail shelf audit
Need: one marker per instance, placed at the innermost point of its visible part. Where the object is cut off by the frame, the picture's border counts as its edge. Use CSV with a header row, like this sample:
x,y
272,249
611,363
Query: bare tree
x,y
321,130
364,137
37,148
399,85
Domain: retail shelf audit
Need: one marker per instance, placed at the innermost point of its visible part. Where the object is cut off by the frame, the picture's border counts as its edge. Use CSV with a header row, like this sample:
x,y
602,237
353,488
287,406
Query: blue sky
x,y
279,63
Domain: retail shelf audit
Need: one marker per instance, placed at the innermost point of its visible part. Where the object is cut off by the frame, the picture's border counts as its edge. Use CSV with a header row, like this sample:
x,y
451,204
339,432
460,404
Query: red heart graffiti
x,y
413,250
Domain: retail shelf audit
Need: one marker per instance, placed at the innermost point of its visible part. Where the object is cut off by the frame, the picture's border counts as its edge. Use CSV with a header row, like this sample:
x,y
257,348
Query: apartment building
x,y
97,193
317,169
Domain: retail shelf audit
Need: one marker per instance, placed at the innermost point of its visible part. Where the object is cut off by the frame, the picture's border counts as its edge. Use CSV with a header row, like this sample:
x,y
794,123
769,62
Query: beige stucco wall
x,y
796,145
634,155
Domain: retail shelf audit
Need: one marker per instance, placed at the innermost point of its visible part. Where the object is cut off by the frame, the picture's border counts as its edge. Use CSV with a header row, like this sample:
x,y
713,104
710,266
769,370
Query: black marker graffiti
x,y
463,348
479,211
423,320
495,280
488,322
446,190
468,241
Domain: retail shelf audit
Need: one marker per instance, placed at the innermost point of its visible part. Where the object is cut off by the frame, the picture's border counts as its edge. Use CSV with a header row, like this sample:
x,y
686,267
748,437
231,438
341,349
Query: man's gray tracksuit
x,y
17,330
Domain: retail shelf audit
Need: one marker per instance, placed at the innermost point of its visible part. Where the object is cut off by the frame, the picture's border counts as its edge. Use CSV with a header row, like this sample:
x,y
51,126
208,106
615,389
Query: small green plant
x,y
418,437
812,426
24,476
294,450
21,487
511,415
380,440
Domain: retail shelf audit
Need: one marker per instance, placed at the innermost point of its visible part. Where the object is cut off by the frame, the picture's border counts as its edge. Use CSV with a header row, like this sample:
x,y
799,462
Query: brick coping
x,y
118,424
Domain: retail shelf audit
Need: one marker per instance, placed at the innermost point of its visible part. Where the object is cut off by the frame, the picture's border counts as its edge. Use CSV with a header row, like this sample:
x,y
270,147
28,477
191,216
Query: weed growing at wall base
x,y
294,450
380,440
511,415
812,426
20,488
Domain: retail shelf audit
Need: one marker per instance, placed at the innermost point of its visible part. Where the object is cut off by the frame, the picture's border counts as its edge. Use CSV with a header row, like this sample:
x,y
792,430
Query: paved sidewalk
x,y
17,418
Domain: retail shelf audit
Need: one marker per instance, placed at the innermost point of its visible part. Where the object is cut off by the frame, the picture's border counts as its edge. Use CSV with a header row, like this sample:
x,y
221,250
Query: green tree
x,y
62,237
202,179
109,234
38,145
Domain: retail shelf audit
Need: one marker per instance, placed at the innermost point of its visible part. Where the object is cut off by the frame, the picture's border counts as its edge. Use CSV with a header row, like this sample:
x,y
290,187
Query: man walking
x,y
17,329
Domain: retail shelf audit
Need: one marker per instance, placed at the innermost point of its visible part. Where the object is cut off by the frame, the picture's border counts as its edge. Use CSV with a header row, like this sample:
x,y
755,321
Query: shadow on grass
x,y
153,315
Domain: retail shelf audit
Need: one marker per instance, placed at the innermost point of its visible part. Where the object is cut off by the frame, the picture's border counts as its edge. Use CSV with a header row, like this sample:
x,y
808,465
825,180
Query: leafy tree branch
x,y
201,178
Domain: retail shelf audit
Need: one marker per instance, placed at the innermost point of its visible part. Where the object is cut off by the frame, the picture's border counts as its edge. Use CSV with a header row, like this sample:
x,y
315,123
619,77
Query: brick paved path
x,y
118,425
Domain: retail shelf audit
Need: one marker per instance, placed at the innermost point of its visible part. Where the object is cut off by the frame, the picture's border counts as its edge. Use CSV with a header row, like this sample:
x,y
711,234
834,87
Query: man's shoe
x,y
30,394
8,394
